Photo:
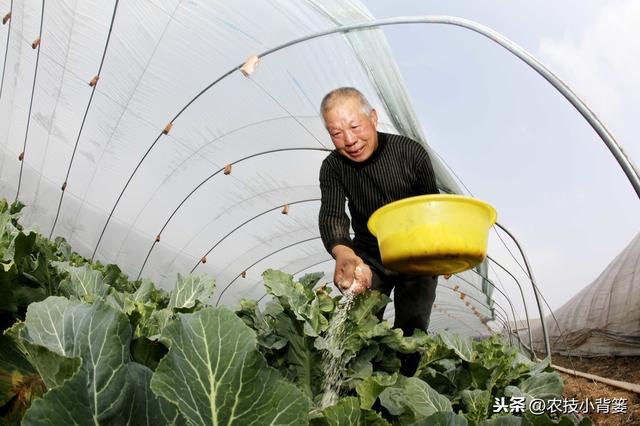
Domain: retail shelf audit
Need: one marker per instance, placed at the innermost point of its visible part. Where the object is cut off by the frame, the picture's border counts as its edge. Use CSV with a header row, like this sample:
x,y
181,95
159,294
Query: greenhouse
x,y
159,226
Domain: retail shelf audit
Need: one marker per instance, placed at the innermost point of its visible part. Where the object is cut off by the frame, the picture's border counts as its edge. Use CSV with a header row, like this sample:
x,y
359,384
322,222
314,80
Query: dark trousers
x,y
413,297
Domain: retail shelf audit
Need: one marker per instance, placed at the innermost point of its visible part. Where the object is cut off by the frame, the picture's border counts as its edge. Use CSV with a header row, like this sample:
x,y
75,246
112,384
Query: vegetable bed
x,y
84,345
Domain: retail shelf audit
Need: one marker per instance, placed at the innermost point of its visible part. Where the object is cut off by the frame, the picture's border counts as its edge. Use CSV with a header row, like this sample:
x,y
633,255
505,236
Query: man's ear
x,y
374,117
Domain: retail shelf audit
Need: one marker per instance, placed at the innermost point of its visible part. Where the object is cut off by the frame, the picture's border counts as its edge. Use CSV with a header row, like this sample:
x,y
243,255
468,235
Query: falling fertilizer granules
x,y
333,359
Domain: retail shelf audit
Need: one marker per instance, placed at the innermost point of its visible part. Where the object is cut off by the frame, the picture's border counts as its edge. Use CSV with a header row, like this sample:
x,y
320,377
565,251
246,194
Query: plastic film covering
x,y
161,171
603,318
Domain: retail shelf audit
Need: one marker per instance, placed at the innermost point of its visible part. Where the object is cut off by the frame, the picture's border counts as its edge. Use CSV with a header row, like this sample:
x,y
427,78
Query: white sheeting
x,y
603,318
161,54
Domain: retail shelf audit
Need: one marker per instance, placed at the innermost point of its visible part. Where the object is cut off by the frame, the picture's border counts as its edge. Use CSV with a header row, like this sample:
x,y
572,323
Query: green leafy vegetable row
x,y
83,344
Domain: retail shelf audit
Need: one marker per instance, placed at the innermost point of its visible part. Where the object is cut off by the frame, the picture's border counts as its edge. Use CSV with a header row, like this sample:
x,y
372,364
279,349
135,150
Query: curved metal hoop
x,y
629,169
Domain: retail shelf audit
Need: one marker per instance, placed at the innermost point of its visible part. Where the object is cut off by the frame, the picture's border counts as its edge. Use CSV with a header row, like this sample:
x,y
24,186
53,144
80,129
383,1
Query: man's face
x,y
352,132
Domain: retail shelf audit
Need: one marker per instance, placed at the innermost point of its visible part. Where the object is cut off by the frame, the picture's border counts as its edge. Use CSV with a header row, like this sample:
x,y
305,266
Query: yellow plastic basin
x,y
433,234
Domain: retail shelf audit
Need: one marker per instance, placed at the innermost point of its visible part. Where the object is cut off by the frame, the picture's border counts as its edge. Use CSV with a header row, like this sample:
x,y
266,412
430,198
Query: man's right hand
x,y
351,272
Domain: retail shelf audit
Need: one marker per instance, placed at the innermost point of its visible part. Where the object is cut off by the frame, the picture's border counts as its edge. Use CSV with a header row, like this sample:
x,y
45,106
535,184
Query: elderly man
x,y
370,169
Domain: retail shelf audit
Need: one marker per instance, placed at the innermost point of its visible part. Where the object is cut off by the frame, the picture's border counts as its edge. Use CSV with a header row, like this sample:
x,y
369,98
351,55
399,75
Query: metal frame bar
x,y
536,291
249,221
260,260
6,49
524,302
629,169
197,187
33,91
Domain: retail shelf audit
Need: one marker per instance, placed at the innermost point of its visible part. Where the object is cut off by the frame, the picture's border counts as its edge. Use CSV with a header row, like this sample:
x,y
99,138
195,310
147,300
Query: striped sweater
x,y
398,168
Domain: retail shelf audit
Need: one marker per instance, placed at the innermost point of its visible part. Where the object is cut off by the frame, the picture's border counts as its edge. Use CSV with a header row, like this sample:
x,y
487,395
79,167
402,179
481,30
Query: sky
x,y
514,140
